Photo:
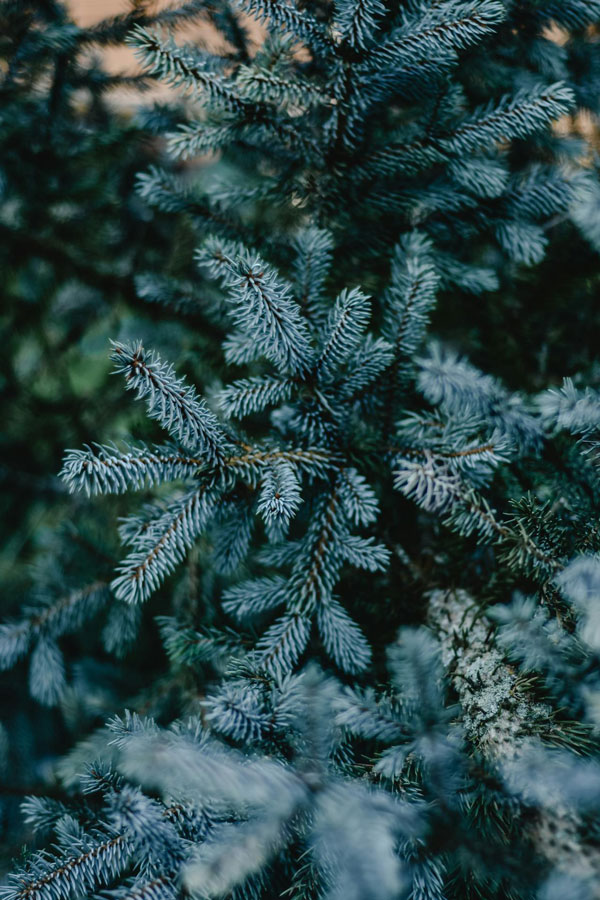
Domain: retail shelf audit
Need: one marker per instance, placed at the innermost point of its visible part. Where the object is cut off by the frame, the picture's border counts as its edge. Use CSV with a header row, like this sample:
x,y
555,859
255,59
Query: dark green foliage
x,y
355,630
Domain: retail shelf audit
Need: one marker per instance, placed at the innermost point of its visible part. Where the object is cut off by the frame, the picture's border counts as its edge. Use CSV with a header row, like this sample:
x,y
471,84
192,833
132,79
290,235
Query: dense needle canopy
x,y
349,647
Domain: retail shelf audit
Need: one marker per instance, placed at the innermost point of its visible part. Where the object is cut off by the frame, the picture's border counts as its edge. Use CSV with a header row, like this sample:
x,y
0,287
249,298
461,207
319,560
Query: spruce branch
x,y
497,713
162,543
313,576
50,876
287,15
59,616
279,498
109,470
528,111
342,638
312,460
261,85
357,20
182,67
411,295
169,400
313,248
466,23
262,305
344,331
255,596
252,395
500,717
201,137
281,646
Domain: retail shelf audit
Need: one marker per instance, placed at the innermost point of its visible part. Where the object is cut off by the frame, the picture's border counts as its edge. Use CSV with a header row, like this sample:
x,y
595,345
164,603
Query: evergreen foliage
x,y
370,549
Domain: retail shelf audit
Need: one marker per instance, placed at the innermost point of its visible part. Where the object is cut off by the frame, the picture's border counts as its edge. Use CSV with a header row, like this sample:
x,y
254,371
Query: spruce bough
x,y
376,565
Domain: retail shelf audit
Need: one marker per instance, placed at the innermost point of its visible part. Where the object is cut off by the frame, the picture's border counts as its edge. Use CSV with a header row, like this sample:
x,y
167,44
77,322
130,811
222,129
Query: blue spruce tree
x,y
370,550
